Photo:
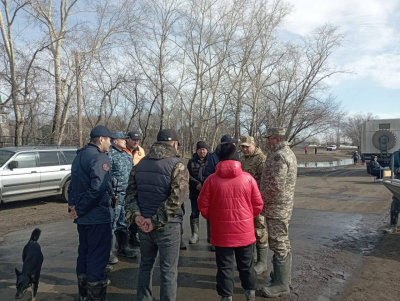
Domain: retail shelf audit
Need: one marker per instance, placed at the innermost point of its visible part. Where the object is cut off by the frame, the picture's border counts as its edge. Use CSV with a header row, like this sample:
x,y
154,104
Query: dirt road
x,y
338,251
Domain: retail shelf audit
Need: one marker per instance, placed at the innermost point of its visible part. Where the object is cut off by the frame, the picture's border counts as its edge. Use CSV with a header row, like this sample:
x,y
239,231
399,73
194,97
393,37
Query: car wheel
x,y
65,190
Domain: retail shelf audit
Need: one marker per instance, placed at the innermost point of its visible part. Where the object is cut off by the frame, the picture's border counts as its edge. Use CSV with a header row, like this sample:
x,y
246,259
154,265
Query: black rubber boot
x,y
183,245
97,291
194,226
262,257
281,284
82,287
123,245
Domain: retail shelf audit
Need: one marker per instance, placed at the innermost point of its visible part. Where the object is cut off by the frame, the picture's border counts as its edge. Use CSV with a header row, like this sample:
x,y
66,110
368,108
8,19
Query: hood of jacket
x,y
278,146
229,169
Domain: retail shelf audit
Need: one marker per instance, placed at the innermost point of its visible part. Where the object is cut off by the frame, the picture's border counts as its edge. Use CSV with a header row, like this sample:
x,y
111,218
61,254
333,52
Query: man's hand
x,y
198,187
72,212
139,220
147,226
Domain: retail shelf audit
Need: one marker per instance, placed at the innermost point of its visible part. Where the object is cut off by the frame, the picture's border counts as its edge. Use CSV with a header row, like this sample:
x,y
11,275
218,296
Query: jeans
x,y
195,210
93,251
165,241
225,263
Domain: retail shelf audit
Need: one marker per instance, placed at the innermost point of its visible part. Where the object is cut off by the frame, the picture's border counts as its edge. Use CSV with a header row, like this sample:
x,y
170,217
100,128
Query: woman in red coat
x,y
230,200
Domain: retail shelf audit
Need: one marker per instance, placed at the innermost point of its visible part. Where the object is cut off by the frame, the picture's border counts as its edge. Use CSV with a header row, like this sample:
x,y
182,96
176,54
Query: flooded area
x,y
343,162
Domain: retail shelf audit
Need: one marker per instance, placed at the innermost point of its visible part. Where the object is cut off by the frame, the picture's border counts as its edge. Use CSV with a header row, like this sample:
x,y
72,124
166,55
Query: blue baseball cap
x,y
101,131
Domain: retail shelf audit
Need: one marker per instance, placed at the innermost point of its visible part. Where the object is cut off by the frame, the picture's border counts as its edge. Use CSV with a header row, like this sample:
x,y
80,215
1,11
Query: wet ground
x,y
334,232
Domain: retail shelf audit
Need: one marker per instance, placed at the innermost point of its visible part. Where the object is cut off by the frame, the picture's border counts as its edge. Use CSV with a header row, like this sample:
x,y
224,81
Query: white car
x,y
331,147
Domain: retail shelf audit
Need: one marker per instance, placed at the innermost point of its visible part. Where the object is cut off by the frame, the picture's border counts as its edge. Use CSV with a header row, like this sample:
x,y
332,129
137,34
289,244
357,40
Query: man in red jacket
x,y
230,200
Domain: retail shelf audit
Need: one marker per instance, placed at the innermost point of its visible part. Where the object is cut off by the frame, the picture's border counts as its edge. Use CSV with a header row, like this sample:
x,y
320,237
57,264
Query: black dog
x,y
32,259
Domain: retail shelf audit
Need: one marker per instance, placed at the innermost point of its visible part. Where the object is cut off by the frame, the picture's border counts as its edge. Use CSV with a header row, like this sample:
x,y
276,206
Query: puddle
x,y
343,162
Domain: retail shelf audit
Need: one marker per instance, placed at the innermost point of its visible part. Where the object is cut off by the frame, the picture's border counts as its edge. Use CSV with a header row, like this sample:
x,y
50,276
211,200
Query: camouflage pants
x,y
120,223
278,236
261,230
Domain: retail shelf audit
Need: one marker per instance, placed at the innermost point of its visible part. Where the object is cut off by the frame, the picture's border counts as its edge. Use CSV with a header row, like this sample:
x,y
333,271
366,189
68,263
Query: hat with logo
x,y
101,131
280,132
228,139
247,141
167,135
135,135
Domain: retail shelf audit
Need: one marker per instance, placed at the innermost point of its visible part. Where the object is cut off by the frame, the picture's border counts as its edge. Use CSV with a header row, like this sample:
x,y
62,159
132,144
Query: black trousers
x,y
93,251
225,262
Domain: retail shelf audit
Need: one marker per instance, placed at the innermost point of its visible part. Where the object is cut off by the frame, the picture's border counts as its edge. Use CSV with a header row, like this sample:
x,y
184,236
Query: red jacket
x,y
230,199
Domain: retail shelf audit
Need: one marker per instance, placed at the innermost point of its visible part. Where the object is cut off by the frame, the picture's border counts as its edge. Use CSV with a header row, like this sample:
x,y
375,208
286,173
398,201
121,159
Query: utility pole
x,y
79,97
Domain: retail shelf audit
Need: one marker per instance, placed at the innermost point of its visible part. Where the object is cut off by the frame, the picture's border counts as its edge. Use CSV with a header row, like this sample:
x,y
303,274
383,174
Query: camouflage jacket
x,y
254,164
278,182
121,165
179,186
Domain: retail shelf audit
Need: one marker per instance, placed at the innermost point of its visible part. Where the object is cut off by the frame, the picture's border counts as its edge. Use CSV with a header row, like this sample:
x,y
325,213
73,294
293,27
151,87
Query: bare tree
x,y
353,126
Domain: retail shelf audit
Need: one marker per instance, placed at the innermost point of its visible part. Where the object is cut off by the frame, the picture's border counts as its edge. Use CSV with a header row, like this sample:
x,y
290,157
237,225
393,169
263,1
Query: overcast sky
x,y
371,49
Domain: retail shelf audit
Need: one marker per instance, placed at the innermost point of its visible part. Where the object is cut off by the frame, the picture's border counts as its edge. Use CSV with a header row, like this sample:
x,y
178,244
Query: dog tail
x,y
36,234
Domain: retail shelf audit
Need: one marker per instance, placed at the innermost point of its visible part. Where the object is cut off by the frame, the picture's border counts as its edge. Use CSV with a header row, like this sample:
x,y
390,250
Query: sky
x,y
371,50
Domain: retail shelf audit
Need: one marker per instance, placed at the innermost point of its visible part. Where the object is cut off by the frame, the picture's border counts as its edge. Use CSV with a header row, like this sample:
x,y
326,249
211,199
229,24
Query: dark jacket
x,y
199,171
157,187
90,187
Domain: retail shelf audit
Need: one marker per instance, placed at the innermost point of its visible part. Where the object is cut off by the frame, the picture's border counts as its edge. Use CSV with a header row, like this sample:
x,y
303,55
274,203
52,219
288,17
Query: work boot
x,y
82,287
112,259
280,285
97,291
250,295
226,298
262,257
182,244
194,226
123,245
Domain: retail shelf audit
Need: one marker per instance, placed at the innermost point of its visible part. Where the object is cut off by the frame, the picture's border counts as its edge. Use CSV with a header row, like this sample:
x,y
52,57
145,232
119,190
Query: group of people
x,y
247,200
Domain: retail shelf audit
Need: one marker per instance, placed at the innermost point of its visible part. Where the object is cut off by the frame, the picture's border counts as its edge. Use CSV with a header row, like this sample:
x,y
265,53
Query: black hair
x,y
226,151
94,140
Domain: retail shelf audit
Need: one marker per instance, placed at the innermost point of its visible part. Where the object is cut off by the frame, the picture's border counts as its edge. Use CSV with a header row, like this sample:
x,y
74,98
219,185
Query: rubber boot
x,y
182,244
262,257
271,275
194,226
82,287
250,295
280,286
123,245
97,291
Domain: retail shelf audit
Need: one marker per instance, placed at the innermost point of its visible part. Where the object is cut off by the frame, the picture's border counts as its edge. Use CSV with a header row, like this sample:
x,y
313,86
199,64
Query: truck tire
x,y
65,190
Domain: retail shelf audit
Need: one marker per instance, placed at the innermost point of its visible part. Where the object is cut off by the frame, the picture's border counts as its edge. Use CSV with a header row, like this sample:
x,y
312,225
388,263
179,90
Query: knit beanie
x,y
201,144
226,151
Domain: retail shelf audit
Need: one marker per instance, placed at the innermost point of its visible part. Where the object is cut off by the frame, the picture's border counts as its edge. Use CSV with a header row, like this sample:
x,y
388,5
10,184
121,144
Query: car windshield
x,y
5,156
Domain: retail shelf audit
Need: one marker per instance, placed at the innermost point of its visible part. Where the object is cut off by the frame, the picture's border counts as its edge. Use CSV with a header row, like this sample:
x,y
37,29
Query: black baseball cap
x,y
102,131
135,135
228,139
167,135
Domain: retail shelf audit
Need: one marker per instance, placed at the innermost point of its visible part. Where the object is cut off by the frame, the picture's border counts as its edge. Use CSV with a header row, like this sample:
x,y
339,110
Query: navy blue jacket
x,y
90,187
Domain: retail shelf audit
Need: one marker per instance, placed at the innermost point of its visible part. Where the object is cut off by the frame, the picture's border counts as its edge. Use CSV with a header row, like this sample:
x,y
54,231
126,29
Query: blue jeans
x,y
166,241
195,210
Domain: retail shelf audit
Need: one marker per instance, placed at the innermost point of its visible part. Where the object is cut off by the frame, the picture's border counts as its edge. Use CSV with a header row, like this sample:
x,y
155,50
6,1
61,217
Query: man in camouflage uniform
x,y
156,191
253,161
277,189
120,166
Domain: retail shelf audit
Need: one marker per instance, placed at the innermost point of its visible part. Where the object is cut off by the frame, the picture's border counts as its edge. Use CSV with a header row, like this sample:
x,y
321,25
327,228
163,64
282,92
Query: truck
x,y
380,138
